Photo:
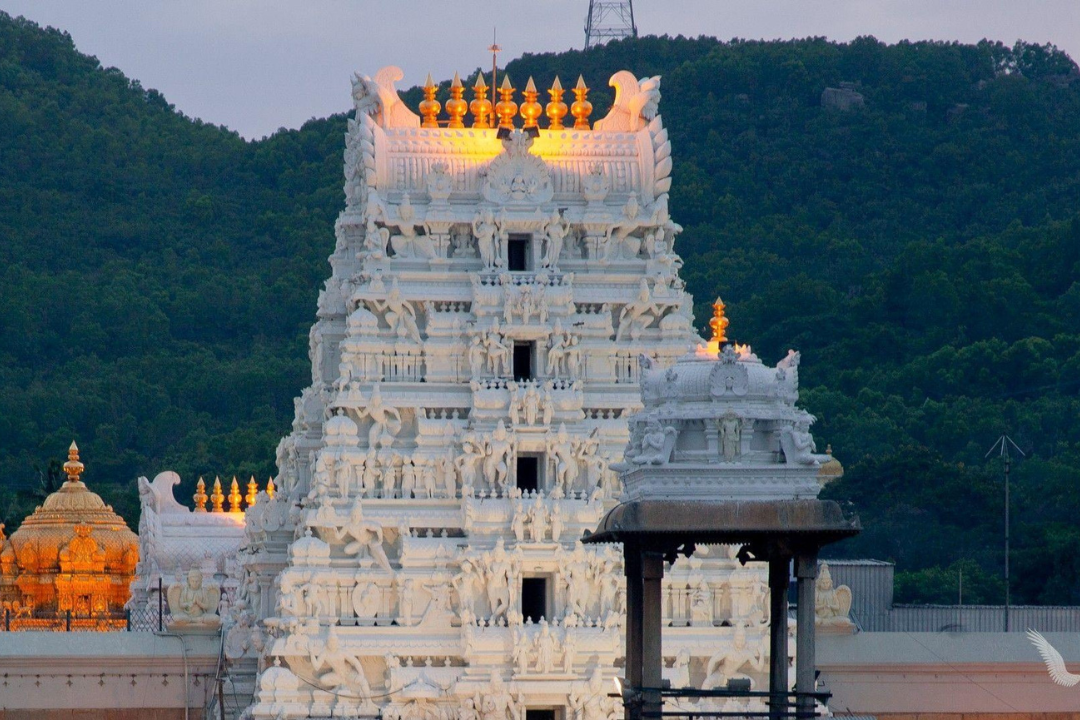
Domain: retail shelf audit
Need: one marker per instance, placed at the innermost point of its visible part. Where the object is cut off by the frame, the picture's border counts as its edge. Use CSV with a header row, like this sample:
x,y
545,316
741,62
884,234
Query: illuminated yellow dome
x,y
73,553
831,469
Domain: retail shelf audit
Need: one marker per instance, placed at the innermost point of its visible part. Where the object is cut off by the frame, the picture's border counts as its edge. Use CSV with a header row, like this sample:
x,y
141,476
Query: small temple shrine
x,y
73,556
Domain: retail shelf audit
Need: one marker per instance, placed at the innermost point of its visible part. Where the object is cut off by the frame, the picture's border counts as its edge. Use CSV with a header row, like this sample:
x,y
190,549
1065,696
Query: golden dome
x,y
74,552
830,470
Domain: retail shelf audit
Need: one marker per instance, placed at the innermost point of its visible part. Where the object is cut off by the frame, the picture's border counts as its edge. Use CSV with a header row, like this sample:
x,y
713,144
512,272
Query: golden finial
x,y
556,109
719,325
73,467
217,497
252,491
456,106
531,110
235,497
481,106
582,108
200,496
270,489
429,106
506,108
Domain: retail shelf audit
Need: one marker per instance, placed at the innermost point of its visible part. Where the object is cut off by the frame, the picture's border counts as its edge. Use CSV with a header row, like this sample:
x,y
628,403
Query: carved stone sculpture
x,y
193,604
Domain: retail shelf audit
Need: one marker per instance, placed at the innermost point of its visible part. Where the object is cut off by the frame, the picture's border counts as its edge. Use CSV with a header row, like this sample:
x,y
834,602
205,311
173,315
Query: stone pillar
x,y
806,569
634,606
652,661
778,637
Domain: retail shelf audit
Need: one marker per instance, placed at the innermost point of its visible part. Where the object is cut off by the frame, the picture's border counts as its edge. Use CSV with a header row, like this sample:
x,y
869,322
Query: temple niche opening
x,y
70,563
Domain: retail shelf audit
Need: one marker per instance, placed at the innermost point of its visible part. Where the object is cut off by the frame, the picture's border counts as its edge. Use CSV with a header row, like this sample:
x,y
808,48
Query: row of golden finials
x,y
217,498
502,114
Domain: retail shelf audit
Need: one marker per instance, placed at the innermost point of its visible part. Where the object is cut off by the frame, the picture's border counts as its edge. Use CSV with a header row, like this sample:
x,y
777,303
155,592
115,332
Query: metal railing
x,y
145,620
758,703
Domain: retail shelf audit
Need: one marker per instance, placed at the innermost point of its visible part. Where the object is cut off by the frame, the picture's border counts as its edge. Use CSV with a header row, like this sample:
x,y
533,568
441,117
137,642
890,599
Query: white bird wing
x,y
1055,664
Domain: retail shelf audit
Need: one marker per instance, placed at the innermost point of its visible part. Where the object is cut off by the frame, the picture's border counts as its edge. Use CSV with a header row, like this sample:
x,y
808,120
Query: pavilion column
x,y
632,566
652,662
778,635
806,569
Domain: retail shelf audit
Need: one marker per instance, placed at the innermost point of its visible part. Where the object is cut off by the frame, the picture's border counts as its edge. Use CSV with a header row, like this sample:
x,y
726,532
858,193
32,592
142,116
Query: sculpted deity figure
x,y
446,471
516,399
472,453
369,474
555,232
476,357
194,604
730,436
569,650
557,350
499,351
531,403
500,573
485,231
496,703
729,662
343,674
588,699
398,313
365,535
561,450
832,603
538,520
520,653
385,420
548,407
517,524
556,522
657,443
637,314
798,445
609,589
578,577
389,479
469,585
544,647
500,456
438,612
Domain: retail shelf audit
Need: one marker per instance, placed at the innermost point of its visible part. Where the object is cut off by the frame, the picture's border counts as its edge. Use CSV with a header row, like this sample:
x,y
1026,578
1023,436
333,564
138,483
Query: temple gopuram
x,y
70,564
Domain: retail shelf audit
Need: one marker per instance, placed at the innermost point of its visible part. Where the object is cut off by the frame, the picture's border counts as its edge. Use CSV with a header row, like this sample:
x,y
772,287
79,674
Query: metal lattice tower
x,y
608,20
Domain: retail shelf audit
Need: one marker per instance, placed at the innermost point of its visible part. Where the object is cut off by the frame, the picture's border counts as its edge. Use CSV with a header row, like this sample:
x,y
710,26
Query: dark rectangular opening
x,y
528,472
534,599
523,361
539,714
517,253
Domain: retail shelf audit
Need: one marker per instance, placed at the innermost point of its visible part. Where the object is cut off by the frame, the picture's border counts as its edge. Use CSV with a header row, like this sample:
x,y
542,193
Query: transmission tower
x,y
609,20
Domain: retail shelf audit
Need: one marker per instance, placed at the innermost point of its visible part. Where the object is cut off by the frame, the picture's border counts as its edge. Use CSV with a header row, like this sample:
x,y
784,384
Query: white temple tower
x,y
474,363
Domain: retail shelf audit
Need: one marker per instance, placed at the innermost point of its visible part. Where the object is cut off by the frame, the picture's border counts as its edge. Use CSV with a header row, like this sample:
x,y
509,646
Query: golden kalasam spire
x,y
719,325
270,489
556,109
73,468
252,491
235,497
217,497
531,110
582,108
481,107
456,106
429,106
506,108
200,496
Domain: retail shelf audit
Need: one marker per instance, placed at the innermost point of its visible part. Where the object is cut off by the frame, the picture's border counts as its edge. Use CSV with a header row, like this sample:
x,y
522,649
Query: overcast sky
x,y
257,65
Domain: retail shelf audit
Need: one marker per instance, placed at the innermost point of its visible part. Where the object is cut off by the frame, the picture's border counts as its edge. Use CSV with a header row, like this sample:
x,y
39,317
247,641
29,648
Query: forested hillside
x,y
158,275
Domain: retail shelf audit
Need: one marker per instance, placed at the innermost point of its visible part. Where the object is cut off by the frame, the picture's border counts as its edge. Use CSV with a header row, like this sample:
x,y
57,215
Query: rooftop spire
x,y
73,467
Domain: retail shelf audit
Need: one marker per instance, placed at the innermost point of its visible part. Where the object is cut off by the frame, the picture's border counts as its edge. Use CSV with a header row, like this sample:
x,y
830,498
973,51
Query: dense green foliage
x,y
159,275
